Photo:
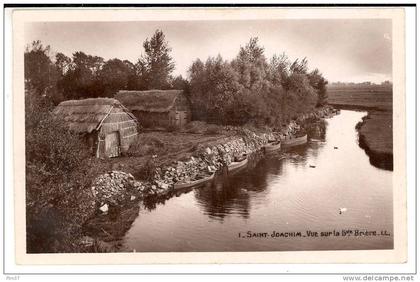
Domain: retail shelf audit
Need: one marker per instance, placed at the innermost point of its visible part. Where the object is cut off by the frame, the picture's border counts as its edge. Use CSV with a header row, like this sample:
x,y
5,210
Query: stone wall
x,y
210,159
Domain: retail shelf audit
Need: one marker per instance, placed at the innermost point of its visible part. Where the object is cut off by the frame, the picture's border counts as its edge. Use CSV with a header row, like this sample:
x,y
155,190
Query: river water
x,y
300,190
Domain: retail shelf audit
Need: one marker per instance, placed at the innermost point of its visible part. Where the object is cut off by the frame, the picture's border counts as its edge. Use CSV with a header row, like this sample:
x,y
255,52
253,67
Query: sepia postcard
x,y
154,135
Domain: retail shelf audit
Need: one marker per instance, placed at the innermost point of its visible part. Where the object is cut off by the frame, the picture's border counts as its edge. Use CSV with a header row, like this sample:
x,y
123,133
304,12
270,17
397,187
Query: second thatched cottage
x,y
107,126
157,108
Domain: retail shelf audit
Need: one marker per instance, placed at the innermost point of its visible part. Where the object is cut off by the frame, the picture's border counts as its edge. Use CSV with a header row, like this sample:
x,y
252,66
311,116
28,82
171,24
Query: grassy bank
x,y
167,147
375,131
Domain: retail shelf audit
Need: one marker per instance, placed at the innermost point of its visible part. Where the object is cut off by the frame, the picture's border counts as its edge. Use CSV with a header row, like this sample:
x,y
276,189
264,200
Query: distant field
x,y
375,132
364,98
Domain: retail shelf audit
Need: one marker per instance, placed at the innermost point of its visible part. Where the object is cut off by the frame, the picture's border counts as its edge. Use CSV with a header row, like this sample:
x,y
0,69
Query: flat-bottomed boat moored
x,y
272,146
238,164
295,141
193,183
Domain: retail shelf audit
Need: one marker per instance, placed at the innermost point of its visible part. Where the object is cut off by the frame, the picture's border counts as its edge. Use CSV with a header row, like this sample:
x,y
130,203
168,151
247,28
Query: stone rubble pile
x,y
209,160
115,187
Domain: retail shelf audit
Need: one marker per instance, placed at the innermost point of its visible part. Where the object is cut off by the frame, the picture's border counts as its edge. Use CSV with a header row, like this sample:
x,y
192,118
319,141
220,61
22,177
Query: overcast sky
x,y
344,50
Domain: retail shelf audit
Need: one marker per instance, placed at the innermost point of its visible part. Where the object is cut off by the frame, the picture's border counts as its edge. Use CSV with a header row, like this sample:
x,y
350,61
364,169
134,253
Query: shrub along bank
x,y
253,89
375,137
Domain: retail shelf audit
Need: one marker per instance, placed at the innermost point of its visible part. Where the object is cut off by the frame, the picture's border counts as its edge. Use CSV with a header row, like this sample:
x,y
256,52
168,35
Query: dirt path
x,y
169,147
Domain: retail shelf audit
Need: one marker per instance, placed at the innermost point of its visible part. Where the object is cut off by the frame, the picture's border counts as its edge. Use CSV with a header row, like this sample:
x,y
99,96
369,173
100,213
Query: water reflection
x,y
222,198
316,129
297,190
112,226
229,192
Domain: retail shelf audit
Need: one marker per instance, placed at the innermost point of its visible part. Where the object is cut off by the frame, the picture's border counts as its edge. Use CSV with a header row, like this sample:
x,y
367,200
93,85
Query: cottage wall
x,y
182,104
157,108
118,120
91,139
152,119
172,116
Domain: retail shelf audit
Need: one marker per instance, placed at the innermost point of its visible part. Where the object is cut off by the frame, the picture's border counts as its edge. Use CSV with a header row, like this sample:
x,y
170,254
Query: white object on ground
x,y
104,208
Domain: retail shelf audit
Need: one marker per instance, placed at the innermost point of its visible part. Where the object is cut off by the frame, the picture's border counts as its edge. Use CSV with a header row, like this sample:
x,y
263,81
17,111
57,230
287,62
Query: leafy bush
x,y
147,172
249,89
57,194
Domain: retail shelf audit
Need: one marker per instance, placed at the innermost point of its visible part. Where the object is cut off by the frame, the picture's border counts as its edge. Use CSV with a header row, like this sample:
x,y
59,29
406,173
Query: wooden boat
x,y
272,146
237,165
193,183
287,143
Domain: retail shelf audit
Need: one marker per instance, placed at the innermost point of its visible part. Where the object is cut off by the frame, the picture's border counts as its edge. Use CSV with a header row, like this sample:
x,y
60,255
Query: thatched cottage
x,y
107,126
157,108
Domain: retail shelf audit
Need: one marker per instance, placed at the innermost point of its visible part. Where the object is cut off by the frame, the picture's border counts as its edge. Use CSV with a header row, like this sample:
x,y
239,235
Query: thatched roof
x,y
149,101
86,115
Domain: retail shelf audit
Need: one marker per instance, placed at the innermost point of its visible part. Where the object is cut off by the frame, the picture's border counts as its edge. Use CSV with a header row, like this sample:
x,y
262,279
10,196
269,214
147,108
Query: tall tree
x,y
197,78
299,67
319,83
279,69
40,73
82,79
63,63
252,66
132,76
214,89
252,52
156,64
179,83
114,76
90,63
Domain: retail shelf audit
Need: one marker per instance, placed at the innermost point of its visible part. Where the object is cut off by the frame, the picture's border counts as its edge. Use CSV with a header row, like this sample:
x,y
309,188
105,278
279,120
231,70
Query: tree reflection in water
x,y
229,193
316,130
111,227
